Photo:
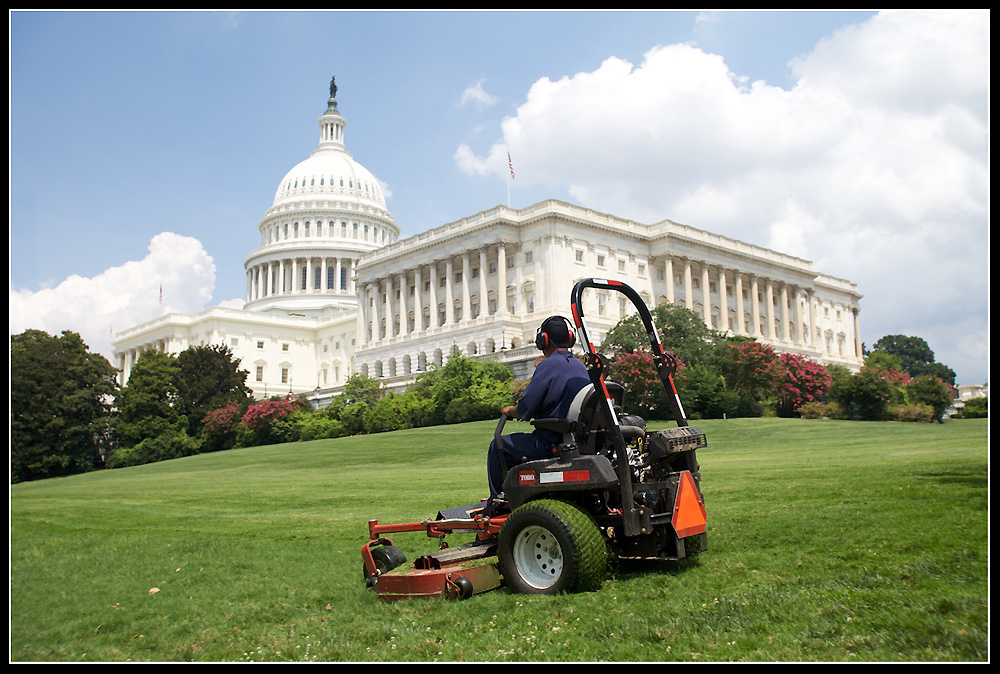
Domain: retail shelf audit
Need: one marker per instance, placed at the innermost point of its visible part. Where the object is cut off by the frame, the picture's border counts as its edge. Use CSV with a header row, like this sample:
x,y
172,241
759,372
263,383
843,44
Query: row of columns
x,y
776,316
772,321
290,231
385,310
284,277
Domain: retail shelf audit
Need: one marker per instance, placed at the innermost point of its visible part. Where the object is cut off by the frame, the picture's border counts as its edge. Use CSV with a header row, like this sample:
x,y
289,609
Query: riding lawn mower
x,y
611,488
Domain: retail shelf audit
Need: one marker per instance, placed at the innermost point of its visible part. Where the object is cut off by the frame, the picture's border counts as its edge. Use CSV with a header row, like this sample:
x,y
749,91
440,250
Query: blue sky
x,y
146,146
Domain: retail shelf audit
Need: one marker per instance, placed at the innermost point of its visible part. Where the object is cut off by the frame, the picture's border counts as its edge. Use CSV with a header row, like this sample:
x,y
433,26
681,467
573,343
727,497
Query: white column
x,y
769,306
449,292
706,295
418,300
755,306
363,313
466,280
784,313
433,298
741,327
388,307
811,295
723,302
668,273
402,326
688,285
484,299
501,280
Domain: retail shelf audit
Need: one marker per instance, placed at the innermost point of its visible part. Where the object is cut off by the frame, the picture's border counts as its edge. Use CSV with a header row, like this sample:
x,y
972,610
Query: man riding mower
x,y
588,482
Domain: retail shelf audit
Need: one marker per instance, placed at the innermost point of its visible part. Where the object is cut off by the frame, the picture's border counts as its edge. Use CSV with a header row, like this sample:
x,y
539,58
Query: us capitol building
x,y
333,290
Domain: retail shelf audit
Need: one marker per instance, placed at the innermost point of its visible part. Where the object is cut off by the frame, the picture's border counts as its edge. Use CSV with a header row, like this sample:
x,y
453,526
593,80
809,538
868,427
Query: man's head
x,y
555,332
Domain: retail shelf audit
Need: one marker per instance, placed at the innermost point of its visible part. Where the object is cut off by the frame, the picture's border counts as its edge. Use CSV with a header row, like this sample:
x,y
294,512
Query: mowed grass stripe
x,y
828,541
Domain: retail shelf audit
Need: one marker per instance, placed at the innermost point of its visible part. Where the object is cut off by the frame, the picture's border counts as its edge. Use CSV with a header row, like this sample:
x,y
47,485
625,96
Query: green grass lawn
x,y
828,541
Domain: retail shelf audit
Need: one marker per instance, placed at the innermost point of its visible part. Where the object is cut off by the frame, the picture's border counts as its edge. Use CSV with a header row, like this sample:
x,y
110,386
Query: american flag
x,y
510,165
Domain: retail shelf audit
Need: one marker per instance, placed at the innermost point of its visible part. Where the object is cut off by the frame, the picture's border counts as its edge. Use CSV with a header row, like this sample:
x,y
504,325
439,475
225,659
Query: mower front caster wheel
x,y
550,546
386,558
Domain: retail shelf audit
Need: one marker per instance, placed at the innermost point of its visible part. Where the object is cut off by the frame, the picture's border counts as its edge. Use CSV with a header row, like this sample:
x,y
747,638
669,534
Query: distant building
x,y
333,291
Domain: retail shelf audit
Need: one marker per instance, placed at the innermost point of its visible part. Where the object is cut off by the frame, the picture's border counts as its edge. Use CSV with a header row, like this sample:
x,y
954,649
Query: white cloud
x,y
477,96
121,297
873,166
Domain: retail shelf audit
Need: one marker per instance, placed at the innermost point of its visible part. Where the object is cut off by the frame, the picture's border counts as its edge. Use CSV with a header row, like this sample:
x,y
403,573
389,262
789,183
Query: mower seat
x,y
584,419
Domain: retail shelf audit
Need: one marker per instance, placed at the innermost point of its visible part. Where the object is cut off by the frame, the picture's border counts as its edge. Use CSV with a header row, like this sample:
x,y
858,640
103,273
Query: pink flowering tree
x,y
753,370
804,381
266,422
222,421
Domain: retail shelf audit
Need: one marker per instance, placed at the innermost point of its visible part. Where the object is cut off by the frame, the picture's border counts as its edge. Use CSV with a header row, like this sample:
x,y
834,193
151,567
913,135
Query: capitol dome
x,y
328,210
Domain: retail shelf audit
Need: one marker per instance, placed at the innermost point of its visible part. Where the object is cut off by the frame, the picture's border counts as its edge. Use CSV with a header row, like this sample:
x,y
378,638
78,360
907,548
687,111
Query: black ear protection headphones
x,y
542,339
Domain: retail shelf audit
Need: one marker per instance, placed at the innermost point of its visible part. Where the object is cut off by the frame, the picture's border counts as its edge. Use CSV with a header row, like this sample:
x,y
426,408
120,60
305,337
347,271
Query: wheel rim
x,y
538,557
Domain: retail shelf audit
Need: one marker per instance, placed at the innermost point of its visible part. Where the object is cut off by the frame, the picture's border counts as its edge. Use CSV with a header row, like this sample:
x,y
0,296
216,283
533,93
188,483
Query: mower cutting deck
x,y
456,573
612,488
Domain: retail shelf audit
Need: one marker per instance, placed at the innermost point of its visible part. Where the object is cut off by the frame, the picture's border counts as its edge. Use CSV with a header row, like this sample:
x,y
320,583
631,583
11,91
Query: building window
x,y
260,343
621,266
579,256
284,375
529,257
600,260
260,373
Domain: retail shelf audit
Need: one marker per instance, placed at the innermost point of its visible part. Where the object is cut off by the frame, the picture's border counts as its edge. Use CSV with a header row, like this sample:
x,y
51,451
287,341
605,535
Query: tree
x,y
915,356
865,396
805,381
753,370
59,405
644,390
208,377
146,404
931,391
466,390
681,331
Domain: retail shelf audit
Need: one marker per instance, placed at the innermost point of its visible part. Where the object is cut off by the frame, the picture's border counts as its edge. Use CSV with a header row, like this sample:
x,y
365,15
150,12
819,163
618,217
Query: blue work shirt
x,y
555,383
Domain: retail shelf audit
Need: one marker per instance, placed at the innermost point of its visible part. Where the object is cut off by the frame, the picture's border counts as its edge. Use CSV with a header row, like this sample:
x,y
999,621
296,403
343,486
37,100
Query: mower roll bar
x,y
636,519
666,363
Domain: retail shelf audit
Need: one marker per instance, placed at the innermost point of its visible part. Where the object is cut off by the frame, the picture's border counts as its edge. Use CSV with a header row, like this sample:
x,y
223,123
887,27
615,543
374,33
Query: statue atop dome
x,y
333,87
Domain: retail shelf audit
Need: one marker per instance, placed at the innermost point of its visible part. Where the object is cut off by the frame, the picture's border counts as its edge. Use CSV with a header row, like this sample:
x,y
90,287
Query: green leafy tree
x,y
931,391
208,377
682,332
704,394
59,405
915,356
865,396
351,408
146,405
465,389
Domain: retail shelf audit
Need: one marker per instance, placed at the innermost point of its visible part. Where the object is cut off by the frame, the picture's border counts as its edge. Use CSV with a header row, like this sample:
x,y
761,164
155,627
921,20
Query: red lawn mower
x,y
612,488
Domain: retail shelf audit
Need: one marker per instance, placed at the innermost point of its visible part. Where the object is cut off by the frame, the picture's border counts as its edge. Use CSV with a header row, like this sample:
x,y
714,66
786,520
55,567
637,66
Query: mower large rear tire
x,y
550,546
